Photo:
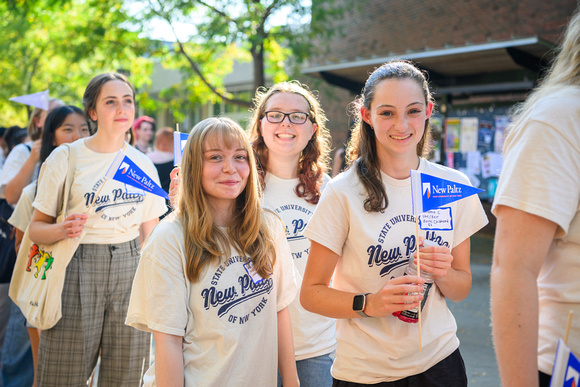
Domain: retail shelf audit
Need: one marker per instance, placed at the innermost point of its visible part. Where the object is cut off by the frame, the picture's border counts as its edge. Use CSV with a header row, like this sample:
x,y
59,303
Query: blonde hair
x,y
314,160
35,132
248,232
565,70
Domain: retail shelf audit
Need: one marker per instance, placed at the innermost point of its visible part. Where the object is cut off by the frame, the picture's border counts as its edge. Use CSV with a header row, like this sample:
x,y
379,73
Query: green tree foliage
x,y
62,44
275,35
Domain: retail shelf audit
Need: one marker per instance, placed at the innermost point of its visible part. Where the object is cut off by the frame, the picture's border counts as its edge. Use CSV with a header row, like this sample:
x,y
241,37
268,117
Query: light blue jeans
x,y
313,372
17,366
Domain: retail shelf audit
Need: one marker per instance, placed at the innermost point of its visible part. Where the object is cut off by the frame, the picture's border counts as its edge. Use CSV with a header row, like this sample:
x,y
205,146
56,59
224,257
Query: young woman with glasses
x,y
292,144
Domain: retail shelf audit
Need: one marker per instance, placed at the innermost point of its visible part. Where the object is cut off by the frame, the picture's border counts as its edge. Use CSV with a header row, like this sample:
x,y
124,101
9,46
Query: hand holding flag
x,y
429,192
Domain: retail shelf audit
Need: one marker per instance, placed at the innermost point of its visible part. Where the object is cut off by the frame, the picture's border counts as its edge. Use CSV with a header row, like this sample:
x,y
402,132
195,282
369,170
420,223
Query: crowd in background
x,y
265,270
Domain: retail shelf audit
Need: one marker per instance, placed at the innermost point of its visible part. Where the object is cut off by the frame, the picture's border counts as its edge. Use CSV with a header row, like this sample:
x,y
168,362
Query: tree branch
x,y
196,68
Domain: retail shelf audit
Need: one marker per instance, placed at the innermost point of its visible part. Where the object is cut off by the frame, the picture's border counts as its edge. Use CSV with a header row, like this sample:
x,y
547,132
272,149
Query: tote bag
x,y
39,273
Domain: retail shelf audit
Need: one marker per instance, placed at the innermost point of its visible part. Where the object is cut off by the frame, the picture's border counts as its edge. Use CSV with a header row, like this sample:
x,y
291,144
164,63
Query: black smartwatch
x,y
358,304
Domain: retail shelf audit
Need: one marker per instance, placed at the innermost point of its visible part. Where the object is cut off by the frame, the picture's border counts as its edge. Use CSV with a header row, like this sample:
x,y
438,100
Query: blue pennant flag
x,y
566,371
123,169
431,192
179,140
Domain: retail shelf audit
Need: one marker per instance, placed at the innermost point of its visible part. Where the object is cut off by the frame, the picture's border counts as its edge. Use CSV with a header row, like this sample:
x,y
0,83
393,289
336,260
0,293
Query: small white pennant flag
x,y
39,100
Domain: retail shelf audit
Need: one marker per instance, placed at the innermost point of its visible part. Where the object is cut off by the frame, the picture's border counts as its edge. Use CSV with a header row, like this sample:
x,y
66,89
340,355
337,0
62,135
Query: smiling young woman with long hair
x,y
363,235
216,277
288,130
98,278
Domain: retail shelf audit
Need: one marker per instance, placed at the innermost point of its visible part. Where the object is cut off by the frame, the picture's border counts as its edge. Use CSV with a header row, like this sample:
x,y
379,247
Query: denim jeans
x,y
17,366
313,372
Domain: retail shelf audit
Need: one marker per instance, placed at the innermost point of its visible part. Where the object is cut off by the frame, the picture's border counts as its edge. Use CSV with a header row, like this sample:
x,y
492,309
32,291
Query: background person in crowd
x,y
143,132
162,155
534,277
363,234
13,136
3,147
98,279
21,166
292,143
216,278
63,125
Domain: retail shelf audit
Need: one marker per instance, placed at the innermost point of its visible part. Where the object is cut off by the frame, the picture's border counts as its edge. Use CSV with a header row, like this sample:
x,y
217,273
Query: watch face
x,y
359,302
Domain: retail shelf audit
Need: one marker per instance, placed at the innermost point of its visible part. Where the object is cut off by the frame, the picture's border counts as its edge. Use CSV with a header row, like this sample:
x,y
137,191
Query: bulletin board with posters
x,y
472,140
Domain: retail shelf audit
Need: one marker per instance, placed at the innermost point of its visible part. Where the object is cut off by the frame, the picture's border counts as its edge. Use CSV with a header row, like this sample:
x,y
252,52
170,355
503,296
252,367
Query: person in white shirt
x,y
363,234
216,276
63,125
292,143
114,221
536,257
21,165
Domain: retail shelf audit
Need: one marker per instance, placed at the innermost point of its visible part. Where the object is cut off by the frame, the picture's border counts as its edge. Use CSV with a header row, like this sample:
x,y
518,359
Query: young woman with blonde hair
x,y
537,238
216,278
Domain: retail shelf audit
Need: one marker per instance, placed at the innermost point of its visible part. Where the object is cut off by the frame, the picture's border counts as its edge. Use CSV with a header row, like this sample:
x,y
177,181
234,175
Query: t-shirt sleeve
x,y
23,211
12,166
284,269
541,175
160,292
51,182
329,225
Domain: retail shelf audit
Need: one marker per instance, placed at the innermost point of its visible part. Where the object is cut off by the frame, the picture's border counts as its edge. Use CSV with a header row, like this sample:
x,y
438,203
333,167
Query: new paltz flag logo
x,y
123,169
566,371
431,192
179,140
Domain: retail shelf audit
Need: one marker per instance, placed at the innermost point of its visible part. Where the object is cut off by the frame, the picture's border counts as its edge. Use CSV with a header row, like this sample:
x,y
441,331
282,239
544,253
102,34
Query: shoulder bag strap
x,y
72,158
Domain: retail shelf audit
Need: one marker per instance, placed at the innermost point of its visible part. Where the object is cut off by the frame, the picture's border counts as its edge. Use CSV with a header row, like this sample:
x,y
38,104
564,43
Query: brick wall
x,y
386,27
380,27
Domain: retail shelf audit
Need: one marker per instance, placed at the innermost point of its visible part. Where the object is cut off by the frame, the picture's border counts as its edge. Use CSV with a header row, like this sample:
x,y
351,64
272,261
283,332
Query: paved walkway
x,y
473,319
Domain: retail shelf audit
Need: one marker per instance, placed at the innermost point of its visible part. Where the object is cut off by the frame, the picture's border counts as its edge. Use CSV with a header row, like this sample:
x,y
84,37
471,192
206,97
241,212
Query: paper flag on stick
x,y
179,140
123,169
566,370
39,100
430,192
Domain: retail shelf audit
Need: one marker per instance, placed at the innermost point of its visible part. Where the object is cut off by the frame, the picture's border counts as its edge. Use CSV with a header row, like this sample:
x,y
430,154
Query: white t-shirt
x,y
23,211
117,212
228,322
313,334
375,247
14,162
541,176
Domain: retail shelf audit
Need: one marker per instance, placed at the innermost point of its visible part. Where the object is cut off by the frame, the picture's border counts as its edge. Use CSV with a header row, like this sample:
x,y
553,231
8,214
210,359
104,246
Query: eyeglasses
x,y
275,117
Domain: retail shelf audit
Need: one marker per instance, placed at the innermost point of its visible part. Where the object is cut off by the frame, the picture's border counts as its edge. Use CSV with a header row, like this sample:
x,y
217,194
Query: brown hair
x,y
164,140
362,145
94,88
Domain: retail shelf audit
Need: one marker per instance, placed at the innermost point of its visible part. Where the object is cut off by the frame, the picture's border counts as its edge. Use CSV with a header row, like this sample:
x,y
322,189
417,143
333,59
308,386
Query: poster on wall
x,y
468,135
453,131
501,124
485,136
